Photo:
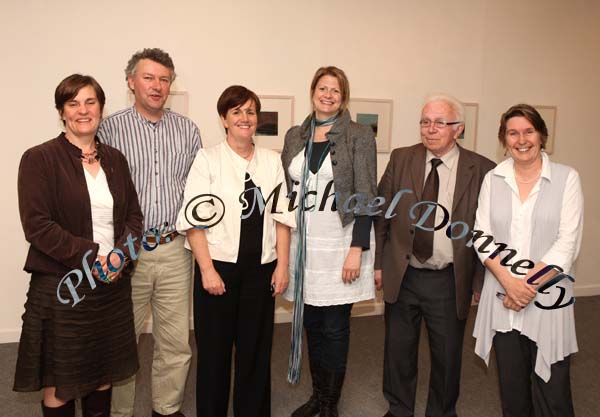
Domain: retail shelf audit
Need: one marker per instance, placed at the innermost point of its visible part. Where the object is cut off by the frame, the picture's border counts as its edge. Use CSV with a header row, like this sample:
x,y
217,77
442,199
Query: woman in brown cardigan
x,y
77,202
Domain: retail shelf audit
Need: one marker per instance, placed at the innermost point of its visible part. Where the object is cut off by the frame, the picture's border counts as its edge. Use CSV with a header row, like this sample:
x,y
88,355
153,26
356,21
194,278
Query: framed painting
x,y
468,138
377,114
276,117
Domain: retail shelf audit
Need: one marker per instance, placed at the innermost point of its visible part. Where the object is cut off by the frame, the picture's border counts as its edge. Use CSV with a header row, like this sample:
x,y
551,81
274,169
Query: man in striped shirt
x,y
160,146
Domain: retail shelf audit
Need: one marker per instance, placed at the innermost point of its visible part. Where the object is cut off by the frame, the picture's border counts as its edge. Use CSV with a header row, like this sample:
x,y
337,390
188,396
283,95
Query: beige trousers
x,y
162,281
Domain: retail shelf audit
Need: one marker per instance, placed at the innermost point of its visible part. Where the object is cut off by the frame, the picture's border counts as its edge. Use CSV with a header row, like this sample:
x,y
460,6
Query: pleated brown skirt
x,y
76,348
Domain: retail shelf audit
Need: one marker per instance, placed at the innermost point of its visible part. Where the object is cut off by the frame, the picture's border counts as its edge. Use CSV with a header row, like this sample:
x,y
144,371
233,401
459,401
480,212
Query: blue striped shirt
x,y
160,156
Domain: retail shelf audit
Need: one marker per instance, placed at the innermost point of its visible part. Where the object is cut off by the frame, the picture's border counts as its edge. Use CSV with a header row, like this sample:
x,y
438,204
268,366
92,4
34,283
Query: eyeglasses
x,y
439,124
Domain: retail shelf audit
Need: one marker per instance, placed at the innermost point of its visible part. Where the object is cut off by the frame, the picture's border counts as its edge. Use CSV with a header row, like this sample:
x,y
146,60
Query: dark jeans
x,y
328,334
242,316
523,392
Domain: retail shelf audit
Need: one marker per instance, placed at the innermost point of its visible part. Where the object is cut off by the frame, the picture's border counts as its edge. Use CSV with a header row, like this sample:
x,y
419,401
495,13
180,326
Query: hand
x,y
378,279
104,267
116,262
351,269
279,279
476,296
510,304
212,282
519,291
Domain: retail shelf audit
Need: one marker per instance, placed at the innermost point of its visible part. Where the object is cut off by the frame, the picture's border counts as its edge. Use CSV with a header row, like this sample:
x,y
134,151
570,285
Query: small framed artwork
x,y
377,114
276,117
548,113
177,101
468,138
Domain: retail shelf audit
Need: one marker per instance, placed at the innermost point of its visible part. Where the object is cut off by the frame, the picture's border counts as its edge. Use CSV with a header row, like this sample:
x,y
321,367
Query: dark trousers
x,y
242,316
429,295
523,392
328,335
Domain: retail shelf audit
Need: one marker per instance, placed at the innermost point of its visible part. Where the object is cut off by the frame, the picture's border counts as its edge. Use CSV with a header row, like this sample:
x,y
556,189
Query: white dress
x,y
327,244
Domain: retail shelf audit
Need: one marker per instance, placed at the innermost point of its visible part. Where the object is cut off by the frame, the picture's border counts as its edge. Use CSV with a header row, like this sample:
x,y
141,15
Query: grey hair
x,y
456,106
153,54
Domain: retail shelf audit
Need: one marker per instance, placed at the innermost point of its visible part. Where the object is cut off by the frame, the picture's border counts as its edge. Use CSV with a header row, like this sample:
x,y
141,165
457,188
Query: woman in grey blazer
x,y
330,168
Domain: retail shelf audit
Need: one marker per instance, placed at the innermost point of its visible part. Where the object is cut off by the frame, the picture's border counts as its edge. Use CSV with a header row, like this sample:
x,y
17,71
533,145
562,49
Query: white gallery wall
x,y
495,53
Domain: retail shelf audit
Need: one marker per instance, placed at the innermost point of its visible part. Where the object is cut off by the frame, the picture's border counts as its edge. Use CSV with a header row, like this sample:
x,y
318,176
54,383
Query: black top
x,y
251,232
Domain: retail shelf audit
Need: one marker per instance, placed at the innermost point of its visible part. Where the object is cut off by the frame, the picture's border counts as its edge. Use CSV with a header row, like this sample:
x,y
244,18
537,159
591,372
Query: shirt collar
x,y
146,121
448,159
506,168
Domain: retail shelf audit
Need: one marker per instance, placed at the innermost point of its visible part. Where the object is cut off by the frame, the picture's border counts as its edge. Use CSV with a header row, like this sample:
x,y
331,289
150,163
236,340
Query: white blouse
x,y
563,251
101,201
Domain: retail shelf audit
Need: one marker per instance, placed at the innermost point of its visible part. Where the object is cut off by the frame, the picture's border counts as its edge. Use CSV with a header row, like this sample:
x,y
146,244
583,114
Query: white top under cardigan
x,y
552,330
101,202
220,171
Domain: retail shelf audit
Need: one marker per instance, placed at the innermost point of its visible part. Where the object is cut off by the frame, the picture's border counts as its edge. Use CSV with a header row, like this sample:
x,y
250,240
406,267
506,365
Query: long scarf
x,y
295,362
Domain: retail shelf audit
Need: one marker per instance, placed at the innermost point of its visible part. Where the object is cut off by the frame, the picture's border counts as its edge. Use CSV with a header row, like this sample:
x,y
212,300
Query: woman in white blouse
x,y
535,207
241,249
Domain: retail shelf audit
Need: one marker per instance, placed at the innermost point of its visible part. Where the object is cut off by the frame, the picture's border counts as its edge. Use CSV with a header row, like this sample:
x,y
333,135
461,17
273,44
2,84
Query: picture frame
x,y
376,113
468,138
178,101
276,117
548,113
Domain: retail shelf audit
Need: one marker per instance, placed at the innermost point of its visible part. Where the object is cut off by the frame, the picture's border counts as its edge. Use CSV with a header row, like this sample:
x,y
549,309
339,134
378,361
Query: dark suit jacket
x,y
406,169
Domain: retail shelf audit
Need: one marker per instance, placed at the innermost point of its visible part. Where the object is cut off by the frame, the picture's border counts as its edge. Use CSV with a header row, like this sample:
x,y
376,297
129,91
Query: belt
x,y
449,266
169,237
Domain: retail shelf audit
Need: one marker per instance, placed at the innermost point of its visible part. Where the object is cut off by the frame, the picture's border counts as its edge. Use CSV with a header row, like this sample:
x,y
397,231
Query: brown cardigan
x,y
55,205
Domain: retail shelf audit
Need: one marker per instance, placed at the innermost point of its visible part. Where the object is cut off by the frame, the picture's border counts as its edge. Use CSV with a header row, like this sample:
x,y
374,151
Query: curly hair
x,y
153,54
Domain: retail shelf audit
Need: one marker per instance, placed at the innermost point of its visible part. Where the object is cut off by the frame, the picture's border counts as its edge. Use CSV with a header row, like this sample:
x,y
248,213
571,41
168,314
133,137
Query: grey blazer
x,y
353,158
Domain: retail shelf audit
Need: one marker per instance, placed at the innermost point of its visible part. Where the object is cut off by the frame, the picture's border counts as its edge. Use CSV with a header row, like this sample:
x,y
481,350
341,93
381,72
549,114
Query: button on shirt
x,y
159,155
442,245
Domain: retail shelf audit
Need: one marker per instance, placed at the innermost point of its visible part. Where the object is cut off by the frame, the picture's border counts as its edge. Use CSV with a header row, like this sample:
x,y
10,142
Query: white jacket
x,y
213,189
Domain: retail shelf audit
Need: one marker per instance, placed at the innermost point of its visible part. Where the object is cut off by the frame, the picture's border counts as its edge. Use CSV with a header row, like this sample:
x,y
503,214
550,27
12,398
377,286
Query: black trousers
x,y
328,335
522,391
429,295
242,316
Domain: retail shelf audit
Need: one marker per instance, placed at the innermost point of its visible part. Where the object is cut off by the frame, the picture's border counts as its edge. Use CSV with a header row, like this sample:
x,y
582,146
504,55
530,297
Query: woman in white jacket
x,y
241,248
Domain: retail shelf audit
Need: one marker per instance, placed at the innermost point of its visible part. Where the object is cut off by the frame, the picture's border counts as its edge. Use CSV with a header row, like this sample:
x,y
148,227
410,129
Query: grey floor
x,y
362,395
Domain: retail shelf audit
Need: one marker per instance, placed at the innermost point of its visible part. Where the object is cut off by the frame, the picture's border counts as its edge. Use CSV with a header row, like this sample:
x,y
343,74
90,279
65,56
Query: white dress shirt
x,y
443,254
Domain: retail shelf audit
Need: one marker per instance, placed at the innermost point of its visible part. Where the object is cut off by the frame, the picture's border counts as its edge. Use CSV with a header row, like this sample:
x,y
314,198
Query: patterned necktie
x,y
423,241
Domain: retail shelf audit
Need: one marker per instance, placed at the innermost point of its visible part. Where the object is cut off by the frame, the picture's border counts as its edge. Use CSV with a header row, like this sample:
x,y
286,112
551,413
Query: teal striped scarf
x,y
295,363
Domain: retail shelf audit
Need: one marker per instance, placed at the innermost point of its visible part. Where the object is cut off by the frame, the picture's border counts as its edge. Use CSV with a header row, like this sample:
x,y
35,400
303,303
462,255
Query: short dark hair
x,y
69,88
153,54
235,96
342,80
528,112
